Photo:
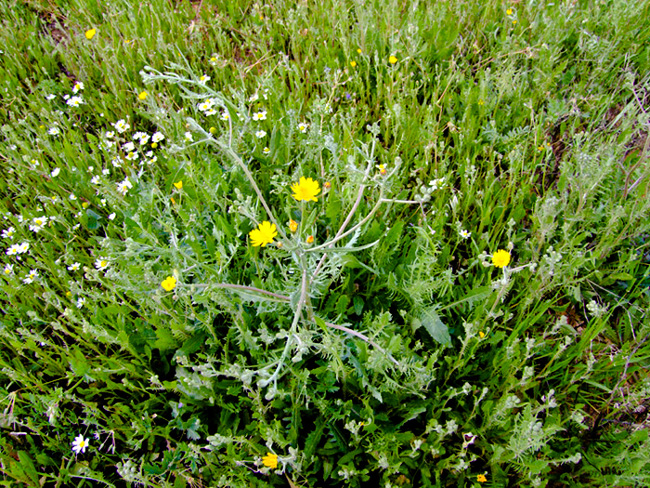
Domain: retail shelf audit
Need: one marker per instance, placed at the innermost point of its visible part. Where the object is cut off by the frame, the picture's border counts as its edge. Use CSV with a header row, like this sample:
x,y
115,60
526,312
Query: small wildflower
x,y
132,156
121,126
79,444
509,11
261,115
38,223
74,101
327,185
169,283
8,233
9,269
353,63
501,258
203,79
188,137
481,334
90,33
72,197
78,86
359,51
157,137
481,478
101,264
142,95
305,190
270,460
51,96
55,172
260,133
124,186
225,115
53,131
392,60
464,234
80,302
213,130
263,235
31,276
74,267
179,185
266,150
303,126
310,239
481,102
382,169
111,216
293,225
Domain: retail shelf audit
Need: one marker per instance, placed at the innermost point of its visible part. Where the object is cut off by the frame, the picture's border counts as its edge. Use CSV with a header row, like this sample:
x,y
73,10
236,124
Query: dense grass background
x,y
440,132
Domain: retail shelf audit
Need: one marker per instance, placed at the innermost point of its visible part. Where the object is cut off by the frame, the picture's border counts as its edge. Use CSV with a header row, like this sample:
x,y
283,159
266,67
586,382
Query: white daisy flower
x,y
261,115
79,444
95,180
23,248
31,276
188,137
203,79
464,234
9,269
128,147
55,172
80,302
74,267
260,133
74,101
124,186
53,131
51,96
109,134
38,223
78,86
303,126
157,137
8,233
132,156
225,115
101,264
121,126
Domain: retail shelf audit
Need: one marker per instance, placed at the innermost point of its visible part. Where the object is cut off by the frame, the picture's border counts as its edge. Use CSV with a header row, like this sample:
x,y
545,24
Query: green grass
x,y
390,351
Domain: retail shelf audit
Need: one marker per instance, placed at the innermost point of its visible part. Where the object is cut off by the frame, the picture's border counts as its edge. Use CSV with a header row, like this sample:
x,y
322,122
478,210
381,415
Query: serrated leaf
x,y
430,320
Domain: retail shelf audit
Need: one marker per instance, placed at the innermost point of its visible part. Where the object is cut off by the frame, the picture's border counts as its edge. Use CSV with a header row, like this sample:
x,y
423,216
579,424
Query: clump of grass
x,y
399,245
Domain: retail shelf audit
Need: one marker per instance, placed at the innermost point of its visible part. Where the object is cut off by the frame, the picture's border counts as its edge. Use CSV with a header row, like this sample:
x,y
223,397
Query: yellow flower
x,y
509,11
310,239
263,235
481,334
305,190
293,225
392,60
481,478
142,95
270,460
353,63
85,204
179,185
90,33
359,51
501,258
169,283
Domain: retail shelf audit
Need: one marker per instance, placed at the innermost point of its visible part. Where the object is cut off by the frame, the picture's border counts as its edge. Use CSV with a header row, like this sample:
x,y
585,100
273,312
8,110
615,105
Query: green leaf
x,y
622,276
28,466
430,320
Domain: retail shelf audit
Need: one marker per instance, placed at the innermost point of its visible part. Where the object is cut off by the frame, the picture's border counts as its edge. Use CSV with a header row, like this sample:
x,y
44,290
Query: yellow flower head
x,y
263,235
179,185
501,258
392,60
90,33
310,239
270,460
143,95
359,51
293,225
305,190
509,11
169,283
353,63
481,478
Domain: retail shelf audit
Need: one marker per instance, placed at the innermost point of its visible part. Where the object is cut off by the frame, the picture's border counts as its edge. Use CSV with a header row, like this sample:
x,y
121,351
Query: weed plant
x,y
325,244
